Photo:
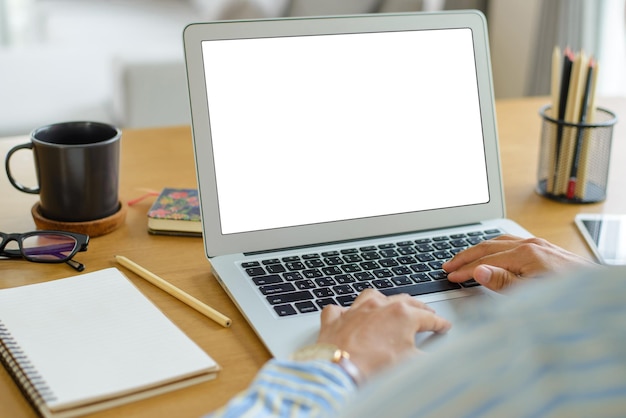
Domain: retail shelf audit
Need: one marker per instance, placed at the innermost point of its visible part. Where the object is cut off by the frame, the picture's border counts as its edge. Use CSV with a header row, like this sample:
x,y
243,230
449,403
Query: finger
x,y
505,259
416,318
429,321
330,314
410,300
494,278
480,250
368,296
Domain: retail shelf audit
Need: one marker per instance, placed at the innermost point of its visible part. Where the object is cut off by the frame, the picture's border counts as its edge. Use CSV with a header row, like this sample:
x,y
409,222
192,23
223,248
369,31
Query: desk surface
x,y
156,158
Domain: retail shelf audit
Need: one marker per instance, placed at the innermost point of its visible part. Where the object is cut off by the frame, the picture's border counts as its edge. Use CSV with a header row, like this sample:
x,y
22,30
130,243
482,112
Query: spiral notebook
x,y
91,342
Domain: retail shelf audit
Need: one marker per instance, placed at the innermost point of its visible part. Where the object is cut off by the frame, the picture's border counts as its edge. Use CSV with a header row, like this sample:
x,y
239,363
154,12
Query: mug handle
x,y
18,186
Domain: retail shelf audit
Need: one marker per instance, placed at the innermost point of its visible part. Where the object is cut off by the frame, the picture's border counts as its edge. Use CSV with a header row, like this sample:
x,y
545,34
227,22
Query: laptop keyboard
x,y
306,283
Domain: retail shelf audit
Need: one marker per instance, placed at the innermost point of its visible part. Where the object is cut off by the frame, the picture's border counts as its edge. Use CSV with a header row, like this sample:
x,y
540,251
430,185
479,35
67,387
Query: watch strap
x,y
350,368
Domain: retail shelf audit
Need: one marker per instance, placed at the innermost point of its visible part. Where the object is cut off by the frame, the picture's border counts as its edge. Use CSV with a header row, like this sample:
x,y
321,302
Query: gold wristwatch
x,y
332,353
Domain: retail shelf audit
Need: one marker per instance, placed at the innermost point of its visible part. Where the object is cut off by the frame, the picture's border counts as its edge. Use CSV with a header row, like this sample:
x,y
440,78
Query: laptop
x,y
332,152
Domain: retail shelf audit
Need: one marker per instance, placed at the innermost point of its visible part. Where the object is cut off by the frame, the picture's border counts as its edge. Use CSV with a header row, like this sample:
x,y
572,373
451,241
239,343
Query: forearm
x,y
292,389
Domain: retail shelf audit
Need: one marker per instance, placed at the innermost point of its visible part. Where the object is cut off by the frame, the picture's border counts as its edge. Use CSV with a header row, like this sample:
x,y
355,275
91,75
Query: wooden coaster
x,y
93,228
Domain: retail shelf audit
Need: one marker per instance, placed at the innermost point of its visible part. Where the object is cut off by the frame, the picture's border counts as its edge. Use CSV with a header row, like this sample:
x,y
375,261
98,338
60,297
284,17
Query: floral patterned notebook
x,y
175,212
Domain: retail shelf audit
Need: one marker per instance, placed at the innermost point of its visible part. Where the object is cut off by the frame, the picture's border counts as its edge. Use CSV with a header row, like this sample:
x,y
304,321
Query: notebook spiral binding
x,y
22,371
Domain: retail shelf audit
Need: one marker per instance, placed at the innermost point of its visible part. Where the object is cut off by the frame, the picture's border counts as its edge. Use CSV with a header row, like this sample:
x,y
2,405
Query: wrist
x,y
333,354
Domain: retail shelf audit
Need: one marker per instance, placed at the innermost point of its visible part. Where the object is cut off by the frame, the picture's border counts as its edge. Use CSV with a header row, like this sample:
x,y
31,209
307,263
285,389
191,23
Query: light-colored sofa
x,y
122,62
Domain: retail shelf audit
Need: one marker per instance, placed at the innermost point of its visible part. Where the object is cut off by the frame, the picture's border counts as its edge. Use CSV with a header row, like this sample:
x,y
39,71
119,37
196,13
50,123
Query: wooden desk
x,y
152,159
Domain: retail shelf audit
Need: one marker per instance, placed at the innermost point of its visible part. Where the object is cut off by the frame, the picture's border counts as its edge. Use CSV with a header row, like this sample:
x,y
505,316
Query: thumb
x,y
494,278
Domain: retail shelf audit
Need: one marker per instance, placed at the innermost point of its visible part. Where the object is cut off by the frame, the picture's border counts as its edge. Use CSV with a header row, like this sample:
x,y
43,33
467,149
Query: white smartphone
x,y
605,235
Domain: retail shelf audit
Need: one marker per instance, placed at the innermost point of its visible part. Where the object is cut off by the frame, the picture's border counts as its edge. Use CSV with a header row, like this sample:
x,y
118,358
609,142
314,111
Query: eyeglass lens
x,y
48,247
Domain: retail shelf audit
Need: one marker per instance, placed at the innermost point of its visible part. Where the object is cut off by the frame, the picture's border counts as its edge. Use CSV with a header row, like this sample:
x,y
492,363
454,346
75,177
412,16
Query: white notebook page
x,y
95,335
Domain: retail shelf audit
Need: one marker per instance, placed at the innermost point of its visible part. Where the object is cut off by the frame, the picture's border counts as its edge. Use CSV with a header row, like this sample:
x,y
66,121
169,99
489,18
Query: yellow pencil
x,y
174,291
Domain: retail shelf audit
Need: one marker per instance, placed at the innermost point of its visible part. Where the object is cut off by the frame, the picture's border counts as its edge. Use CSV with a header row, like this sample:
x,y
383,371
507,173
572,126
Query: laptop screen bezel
x,y
216,243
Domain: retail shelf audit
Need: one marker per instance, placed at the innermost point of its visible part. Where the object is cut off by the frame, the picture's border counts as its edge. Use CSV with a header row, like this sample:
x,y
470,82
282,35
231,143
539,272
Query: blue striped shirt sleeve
x,y
285,388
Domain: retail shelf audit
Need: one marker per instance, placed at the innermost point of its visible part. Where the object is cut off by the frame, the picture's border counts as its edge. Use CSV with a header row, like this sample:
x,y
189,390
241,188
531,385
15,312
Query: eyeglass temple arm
x,y
75,265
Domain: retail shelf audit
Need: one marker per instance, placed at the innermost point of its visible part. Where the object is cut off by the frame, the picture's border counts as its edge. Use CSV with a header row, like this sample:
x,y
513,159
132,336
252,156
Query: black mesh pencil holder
x,y
574,157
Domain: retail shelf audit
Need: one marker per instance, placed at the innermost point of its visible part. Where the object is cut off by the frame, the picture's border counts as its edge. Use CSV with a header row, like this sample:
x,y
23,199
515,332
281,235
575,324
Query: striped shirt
x,y
554,348
292,389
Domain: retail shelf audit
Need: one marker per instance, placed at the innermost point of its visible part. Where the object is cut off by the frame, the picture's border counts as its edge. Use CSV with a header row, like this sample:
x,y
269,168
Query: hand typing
x,y
507,260
378,331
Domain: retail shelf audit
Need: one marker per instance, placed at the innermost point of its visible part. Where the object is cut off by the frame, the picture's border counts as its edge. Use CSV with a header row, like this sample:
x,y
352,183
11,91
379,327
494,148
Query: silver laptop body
x,y
320,135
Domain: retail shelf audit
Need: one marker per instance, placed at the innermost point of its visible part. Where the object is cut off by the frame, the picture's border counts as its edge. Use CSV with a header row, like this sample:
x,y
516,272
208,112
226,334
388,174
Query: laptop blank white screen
x,y
322,128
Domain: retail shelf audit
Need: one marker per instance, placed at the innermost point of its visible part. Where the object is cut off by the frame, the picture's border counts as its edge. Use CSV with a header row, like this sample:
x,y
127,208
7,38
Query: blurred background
x,y
121,61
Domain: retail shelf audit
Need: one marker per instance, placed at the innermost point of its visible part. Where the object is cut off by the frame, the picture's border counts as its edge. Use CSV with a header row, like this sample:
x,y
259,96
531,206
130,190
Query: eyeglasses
x,y
45,247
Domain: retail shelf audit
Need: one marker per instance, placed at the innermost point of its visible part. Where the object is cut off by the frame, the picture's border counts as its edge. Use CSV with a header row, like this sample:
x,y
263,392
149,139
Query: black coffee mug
x,y
77,166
